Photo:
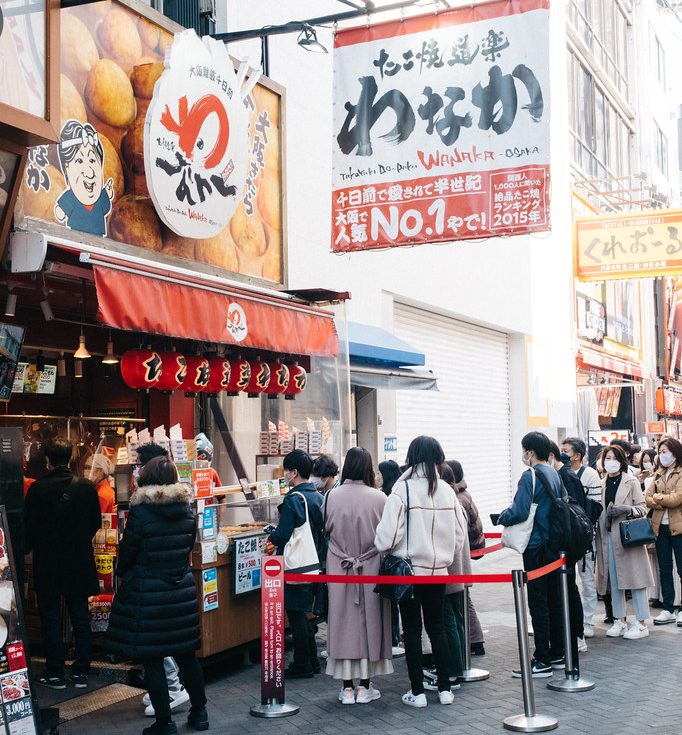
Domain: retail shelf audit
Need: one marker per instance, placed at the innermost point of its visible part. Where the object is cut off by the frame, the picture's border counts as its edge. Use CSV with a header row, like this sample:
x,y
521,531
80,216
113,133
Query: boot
x,y
161,727
198,719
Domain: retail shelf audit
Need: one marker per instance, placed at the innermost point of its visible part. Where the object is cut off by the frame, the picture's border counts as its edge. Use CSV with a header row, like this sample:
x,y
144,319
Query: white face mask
x,y
611,465
317,481
666,459
646,465
525,460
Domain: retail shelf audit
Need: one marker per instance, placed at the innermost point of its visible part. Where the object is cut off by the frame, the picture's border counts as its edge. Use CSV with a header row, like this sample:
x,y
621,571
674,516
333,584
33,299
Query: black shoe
x,y
477,649
299,672
80,681
315,664
609,620
656,604
161,728
558,663
52,682
539,670
198,719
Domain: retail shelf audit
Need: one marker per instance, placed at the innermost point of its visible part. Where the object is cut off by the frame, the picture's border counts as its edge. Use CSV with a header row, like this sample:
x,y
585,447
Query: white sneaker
x,y
414,700
665,617
397,651
177,699
324,654
617,629
347,696
588,631
679,619
582,646
636,631
365,696
446,697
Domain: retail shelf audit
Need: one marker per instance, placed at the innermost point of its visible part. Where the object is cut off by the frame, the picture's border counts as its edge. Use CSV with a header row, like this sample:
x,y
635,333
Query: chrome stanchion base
x,y
570,684
474,675
536,723
274,709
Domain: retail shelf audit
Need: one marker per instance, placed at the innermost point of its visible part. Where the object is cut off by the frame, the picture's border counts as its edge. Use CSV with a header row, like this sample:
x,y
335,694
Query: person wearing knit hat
x,y
98,469
205,452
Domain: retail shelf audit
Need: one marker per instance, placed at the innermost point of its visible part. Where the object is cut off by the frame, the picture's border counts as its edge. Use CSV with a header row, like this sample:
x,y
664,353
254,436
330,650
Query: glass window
x,y
661,151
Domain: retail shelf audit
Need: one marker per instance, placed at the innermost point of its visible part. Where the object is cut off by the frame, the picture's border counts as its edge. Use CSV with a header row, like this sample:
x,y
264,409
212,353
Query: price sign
x,y
246,556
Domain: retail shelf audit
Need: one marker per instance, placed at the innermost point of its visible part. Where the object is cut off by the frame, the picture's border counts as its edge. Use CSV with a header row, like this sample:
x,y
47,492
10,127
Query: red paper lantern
x,y
173,372
240,374
297,382
220,374
141,369
260,378
279,379
198,375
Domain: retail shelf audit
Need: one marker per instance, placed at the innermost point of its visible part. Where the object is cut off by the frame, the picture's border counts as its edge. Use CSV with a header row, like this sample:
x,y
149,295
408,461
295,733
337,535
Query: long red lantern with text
x,y
279,379
221,372
260,379
298,379
141,369
173,371
198,375
240,375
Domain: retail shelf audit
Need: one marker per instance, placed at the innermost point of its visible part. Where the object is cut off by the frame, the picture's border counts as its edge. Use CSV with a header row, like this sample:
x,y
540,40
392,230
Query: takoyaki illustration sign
x,y
196,138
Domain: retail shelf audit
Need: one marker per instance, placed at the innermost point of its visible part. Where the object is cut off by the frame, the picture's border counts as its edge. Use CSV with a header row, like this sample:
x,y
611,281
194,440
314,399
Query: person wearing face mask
x,y
544,593
647,468
648,465
325,473
619,567
664,497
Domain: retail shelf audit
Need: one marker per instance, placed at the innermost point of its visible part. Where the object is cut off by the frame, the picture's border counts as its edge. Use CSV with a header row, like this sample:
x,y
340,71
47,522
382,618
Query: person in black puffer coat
x,y
155,612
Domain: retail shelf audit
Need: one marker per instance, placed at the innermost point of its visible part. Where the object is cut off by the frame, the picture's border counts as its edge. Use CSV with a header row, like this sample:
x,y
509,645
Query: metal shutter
x,y
470,415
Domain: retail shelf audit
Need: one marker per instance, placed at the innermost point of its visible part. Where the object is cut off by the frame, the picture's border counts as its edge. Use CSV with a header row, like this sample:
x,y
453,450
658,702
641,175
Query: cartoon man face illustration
x,y
85,205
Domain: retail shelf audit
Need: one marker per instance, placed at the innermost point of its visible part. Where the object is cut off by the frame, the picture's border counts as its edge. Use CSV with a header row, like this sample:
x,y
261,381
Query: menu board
x,y
29,380
17,713
246,555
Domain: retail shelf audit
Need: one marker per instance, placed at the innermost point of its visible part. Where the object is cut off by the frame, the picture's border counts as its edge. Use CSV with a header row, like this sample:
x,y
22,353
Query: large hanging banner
x,y
441,127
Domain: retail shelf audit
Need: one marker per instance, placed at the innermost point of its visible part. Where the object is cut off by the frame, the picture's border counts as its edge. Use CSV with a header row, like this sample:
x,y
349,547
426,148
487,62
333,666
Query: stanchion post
x,y
272,702
470,674
529,721
572,682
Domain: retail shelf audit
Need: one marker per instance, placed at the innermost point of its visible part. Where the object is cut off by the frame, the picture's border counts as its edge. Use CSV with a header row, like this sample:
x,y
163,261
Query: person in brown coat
x,y
358,620
664,497
618,567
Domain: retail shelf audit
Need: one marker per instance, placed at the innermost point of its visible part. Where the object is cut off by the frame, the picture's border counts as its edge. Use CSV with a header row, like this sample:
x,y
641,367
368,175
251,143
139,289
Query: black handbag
x,y
394,566
637,532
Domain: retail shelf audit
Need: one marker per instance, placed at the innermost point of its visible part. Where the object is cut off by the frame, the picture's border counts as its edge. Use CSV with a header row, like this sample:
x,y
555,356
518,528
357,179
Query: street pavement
x,y
637,688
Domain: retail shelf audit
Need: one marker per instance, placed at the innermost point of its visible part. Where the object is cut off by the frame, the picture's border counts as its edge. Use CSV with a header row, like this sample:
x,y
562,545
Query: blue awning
x,y
378,346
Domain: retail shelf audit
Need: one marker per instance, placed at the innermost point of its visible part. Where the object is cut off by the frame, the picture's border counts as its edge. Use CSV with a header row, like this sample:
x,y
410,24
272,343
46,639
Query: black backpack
x,y
570,529
592,507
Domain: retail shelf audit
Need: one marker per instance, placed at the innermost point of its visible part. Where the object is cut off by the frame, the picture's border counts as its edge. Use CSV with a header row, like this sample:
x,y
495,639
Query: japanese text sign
x,y
641,244
201,483
441,127
272,639
246,562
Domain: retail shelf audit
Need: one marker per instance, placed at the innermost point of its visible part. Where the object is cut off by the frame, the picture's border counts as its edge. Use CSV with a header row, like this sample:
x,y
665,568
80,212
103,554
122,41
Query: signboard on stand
x,y
441,127
247,552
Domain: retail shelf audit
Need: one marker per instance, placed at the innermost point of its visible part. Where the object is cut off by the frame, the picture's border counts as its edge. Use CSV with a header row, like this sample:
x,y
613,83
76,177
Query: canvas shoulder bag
x,y
300,553
517,536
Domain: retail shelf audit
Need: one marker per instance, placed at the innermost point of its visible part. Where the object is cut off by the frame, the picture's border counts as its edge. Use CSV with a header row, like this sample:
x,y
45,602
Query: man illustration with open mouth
x,y
85,205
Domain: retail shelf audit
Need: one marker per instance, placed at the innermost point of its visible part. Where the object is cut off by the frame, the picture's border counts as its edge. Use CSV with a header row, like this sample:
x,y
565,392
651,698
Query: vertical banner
x,y
272,640
441,127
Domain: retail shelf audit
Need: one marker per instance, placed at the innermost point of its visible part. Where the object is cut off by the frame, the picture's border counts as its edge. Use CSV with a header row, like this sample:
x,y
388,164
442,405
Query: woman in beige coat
x,y
664,497
620,568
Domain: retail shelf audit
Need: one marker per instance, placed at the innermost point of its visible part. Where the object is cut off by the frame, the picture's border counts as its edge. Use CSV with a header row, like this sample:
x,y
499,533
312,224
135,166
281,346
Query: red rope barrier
x,y
547,569
477,553
409,579
493,534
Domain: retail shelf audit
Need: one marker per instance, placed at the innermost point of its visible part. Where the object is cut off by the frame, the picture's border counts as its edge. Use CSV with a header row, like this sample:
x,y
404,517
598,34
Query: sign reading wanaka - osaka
x,y
441,127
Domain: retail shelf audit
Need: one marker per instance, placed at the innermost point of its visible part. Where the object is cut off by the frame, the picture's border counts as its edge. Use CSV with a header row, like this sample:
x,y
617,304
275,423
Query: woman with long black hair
x,y
421,524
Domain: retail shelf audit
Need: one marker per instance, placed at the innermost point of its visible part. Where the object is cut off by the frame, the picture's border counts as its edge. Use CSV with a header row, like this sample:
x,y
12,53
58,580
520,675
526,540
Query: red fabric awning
x,y
212,314
590,358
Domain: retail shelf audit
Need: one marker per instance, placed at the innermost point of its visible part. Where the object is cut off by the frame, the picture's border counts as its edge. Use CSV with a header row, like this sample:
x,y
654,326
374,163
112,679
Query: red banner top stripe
x,y
431,21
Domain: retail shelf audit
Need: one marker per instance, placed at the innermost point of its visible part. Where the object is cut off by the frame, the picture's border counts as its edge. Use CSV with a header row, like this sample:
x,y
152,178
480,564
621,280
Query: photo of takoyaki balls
x,y
248,233
269,201
143,77
109,94
267,101
114,134
78,50
112,167
40,204
119,37
272,264
180,247
219,251
71,105
92,13
150,35
132,146
272,159
134,220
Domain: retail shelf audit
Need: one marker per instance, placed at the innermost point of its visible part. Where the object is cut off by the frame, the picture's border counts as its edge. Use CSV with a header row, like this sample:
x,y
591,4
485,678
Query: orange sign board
x,y
633,245
201,482
654,427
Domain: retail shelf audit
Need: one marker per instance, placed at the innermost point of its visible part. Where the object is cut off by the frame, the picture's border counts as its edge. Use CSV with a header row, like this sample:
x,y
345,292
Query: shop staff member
x,y
205,451
61,516
99,469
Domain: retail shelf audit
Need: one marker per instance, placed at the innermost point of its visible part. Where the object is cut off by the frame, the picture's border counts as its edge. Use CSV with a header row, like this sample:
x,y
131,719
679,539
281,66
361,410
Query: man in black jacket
x,y
61,515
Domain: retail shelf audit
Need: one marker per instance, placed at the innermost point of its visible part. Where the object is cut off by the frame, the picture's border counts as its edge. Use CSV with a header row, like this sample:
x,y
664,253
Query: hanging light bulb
x,y
77,368
110,358
61,366
82,352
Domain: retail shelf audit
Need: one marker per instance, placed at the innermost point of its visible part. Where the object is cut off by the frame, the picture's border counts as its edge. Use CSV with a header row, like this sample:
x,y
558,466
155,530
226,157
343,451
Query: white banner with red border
x,y
441,127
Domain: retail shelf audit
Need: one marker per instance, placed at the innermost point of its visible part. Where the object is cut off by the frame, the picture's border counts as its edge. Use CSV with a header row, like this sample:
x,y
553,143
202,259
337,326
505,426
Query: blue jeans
x,y
639,596
666,546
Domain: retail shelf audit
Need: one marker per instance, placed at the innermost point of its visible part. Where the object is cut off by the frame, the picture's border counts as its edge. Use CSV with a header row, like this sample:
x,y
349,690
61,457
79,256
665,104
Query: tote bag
x,y
300,553
517,536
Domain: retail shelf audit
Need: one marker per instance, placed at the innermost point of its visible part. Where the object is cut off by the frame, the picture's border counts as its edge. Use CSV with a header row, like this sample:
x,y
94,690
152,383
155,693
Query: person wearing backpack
x,y
622,568
544,593
574,451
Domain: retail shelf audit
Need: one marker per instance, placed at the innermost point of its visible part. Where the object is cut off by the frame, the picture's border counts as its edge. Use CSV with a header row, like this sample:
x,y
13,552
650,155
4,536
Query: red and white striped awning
x,y
592,359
